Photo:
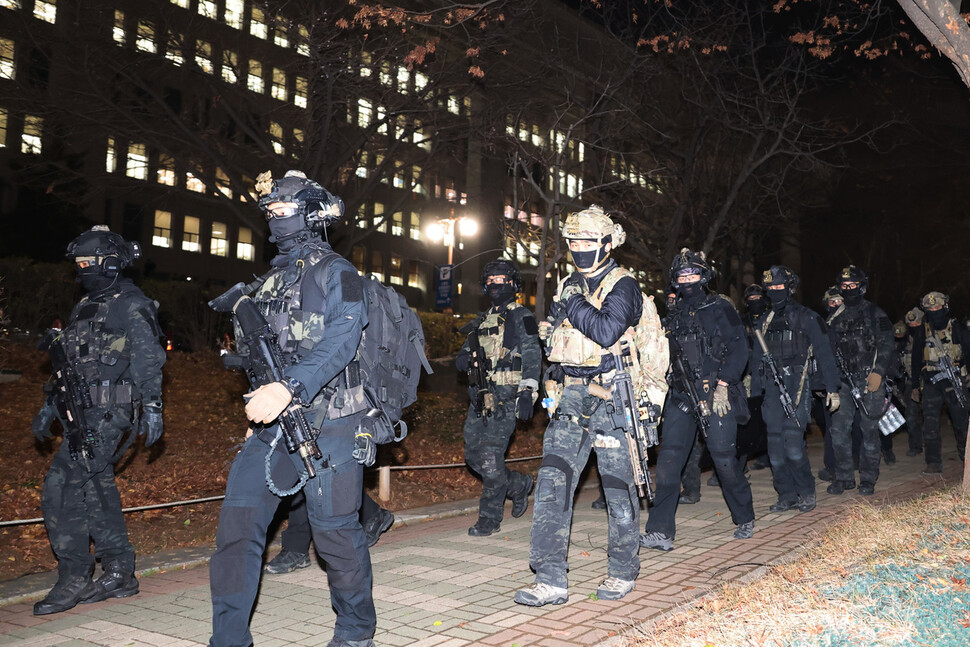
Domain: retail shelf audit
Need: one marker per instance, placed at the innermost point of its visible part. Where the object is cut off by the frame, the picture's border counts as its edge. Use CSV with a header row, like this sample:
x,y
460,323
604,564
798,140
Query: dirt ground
x,y
204,424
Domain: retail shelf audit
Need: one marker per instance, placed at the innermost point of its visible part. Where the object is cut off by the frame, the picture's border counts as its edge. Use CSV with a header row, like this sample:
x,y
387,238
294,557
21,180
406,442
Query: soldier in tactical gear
x,y
863,336
794,336
112,356
596,310
505,342
913,321
941,342
831,301
756,308
706,332
315,303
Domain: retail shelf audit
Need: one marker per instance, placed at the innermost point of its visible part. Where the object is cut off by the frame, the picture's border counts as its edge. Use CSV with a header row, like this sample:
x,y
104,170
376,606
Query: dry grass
x,y
889,575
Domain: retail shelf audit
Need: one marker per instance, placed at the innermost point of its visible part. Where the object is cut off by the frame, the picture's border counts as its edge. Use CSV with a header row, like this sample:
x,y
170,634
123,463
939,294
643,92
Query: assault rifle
x,y
624,412
699,408
889,418
776,376
72,395
948,372
854,390
263,363
479,386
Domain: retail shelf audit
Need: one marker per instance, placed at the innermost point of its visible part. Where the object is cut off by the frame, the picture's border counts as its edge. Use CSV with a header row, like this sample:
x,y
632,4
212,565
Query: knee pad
x,y
619,498
555,481
492,465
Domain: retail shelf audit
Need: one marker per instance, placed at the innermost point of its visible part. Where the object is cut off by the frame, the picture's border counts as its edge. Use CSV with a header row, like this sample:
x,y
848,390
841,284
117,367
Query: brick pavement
x,y
436,586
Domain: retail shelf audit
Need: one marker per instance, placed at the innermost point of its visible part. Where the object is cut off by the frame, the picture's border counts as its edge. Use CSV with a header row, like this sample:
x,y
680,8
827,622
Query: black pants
x,y
296,537
934,397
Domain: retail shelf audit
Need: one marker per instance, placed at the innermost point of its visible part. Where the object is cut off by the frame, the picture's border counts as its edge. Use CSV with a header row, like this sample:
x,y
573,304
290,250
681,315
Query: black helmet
x,y
752,290
502,267
781,275
855,275
687,259
113,253
319,207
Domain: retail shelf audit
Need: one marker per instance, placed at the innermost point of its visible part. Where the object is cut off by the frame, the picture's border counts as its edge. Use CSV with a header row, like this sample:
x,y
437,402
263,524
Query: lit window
x,y
279,34
362,218
580,152
136,162
362,165
3,127
467,102
401,132
219,241
415,229
398,179
382,120
453,106
380,222
111,156
303,44
357,256
276,136
162,233
208,9
245,251
173,48
203,56
416,185
422,139
255,79
300,92
257,24
118,31
229,66
45,10
365,63
377,265
165,173
7,68
9,4
234,13
365,112
571,185
396,272
403,76
397,223
414,275
278,90
450,194
193,183
536,137
181,3
385,76
145,40
223,185
298,137
420,81
190,235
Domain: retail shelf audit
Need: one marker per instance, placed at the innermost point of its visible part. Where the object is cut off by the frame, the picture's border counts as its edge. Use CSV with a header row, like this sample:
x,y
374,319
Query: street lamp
x,y
444,230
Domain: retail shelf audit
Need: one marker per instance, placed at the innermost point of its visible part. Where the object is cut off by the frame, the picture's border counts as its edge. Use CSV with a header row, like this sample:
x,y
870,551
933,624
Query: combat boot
x,y
539,594
66,594
745,530
484,528
688,498
378,525
113,584
340,642
782,505
838,487
806,503
520,500
613,588
866,489
287,561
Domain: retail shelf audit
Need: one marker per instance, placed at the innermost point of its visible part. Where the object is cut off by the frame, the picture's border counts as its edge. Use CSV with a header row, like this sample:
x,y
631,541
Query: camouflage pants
x,y
80,502
870,451
790,470
565,452
934,396
486,439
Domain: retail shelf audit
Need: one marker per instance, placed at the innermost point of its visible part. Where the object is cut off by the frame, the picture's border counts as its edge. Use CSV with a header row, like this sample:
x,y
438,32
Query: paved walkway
x,y
435,585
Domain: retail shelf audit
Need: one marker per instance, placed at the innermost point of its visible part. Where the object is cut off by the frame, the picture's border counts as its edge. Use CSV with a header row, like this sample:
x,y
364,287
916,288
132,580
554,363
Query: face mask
x,y
285,232
94,281
690,290
778,298
938,318
585,261
852,297
500,293
756,306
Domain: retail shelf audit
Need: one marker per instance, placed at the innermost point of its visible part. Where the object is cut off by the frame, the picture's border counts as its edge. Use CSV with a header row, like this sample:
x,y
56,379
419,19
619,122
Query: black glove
x,y
41,426
524,405
463,361
151,423
365,449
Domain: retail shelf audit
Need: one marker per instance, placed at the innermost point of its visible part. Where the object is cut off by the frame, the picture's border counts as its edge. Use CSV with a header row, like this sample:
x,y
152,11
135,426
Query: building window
x,y
357,257
257,24
278,89
377,264
118,31
414,275
403,76
173,48
420,81
181,3
162,233
219,241
192,183
7,68
165,173
362,216
397,223
208,9
453,106
361,171
111,156
385,76
45,10
145,38
203,56
255,79
397,270
365,63
3,127
303,44
297,139
234,13
300,92
279,34
415,229
190,234
382,120
229,62
276,137
416,185
422,138
365,112
136,162
9,4
245,250
380,222
223,185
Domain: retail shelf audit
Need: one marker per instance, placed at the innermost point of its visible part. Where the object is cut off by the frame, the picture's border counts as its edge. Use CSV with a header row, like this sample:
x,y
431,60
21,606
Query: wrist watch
x,y
296,389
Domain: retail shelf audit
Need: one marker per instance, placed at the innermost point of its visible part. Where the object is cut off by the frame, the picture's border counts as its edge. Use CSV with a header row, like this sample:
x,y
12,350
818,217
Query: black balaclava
x,y
756,307
690,291
851,297
938,318
586,260
92,279
779,298
289,232
500,293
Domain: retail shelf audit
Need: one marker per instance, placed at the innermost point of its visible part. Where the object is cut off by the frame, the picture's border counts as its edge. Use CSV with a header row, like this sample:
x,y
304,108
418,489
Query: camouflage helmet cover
x,y
934,299
914,317
593,223
899,329
832,293
318,206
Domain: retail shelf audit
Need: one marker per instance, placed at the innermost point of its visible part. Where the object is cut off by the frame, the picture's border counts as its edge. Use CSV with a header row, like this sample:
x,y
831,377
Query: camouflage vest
x,y
100,353
643,347
491,335
931,355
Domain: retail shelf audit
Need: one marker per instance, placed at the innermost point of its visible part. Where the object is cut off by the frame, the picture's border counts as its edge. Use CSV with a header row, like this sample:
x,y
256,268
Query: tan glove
x,y
266,403
873,382
915,395
833,402
545,329
721,404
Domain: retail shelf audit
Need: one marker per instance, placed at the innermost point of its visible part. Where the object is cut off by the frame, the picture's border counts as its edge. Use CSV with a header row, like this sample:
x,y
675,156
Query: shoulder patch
x,y
530,324
351,287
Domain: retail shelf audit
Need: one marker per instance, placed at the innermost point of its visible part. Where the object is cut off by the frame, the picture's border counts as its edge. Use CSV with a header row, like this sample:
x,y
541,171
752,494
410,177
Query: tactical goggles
x,y
282,210
84,262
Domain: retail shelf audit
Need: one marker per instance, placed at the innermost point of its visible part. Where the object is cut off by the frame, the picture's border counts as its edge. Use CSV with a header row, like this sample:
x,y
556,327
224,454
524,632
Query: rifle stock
x,y
786,402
